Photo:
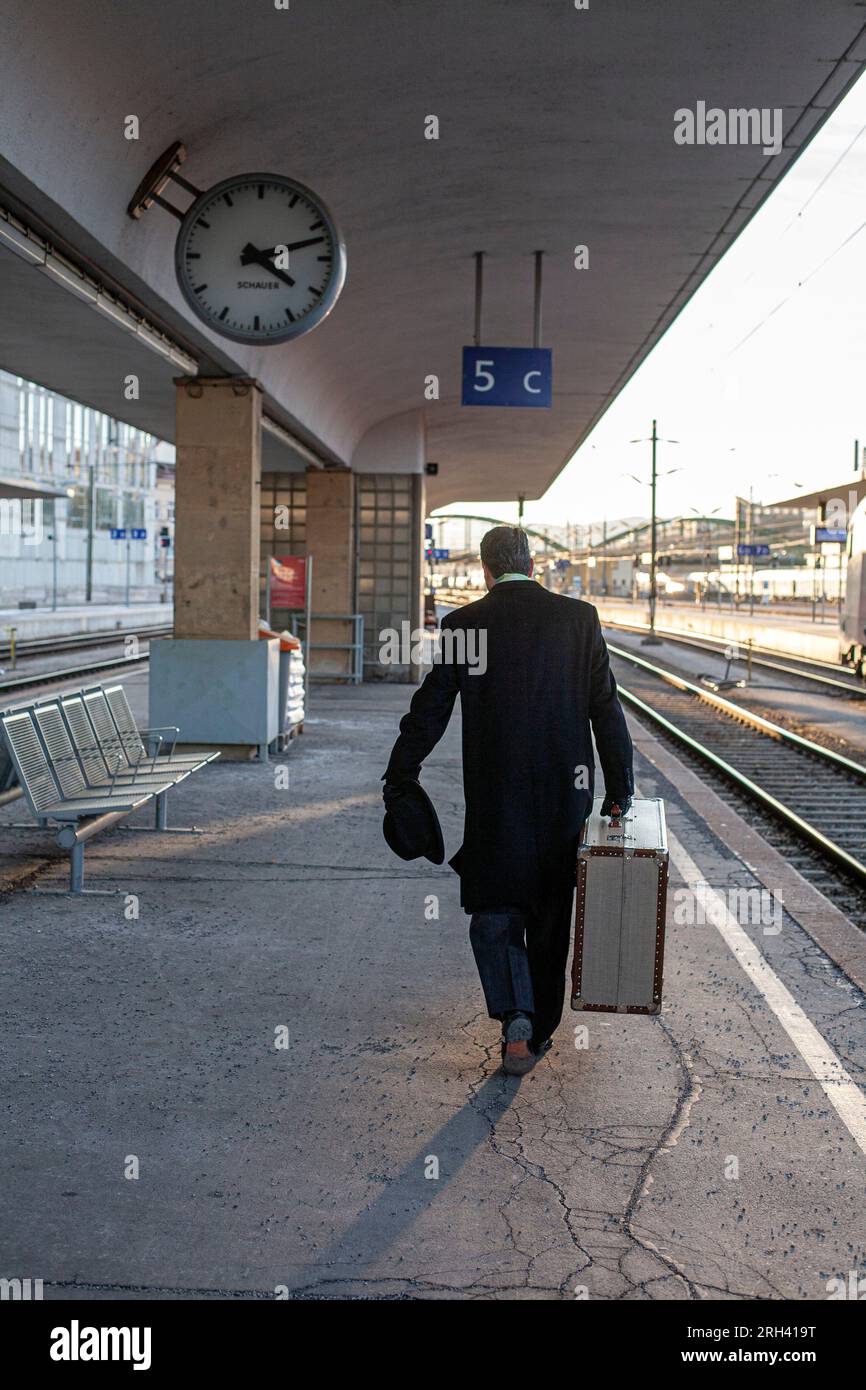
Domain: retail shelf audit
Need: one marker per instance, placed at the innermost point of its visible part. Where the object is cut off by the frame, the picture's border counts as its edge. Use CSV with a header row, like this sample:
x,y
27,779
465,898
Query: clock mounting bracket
x,y
162,172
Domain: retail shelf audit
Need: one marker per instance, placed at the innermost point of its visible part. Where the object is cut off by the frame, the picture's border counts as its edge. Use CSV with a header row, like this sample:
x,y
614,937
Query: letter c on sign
x,y
533,390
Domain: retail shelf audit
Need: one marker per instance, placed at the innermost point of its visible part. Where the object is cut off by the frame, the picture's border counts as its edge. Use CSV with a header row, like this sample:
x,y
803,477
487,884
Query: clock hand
x,y
250,255
291,246
311,241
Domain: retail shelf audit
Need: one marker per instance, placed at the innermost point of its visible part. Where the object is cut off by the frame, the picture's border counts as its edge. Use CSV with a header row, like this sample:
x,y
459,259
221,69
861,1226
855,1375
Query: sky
x,y
762,378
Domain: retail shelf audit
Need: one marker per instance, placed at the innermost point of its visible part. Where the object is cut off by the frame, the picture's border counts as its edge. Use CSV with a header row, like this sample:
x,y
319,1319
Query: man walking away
x,y
537,680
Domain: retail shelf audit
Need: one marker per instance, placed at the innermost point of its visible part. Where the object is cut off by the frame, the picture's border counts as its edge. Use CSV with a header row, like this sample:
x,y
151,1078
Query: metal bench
x,y
10,788
56,793
133,738
74,766
99,762
121,745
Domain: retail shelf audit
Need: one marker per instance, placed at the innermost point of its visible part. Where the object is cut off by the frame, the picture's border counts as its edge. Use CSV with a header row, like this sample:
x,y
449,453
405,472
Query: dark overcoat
x,y
533,675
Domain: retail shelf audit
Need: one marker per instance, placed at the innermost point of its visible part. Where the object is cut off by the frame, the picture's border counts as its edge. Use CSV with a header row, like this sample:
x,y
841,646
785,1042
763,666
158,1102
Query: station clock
x,y
259,259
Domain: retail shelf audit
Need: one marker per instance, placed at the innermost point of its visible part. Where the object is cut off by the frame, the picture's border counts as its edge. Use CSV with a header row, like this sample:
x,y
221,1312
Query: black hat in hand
x,y
411,826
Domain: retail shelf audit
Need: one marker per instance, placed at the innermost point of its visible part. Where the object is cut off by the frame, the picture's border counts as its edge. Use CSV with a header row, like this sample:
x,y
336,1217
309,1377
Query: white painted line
x,y
843,1094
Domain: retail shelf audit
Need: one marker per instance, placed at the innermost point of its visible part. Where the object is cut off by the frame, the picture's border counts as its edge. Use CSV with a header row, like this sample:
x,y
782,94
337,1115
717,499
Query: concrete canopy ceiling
x,y
556,129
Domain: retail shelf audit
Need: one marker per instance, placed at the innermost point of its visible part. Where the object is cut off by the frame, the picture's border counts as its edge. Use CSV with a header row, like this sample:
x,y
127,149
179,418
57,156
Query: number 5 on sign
x,y
507,376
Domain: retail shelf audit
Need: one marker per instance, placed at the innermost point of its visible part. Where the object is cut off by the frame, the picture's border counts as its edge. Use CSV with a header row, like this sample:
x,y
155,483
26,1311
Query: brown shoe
x,y
517,1056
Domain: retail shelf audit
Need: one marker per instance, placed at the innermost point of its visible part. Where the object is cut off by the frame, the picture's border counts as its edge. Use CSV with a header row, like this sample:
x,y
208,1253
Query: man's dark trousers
x,y
521,954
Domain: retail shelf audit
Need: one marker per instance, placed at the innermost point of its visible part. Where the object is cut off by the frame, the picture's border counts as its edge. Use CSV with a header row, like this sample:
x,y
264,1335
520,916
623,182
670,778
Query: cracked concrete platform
x,y
605,1173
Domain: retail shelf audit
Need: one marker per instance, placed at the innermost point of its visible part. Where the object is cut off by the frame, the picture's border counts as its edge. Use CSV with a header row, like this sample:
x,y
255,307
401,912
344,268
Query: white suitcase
x,y
619,930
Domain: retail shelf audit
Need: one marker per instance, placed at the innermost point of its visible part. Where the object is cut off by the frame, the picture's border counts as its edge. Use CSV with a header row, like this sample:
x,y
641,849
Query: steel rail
x,y
803,827
672,635
746,716
33,646
68,673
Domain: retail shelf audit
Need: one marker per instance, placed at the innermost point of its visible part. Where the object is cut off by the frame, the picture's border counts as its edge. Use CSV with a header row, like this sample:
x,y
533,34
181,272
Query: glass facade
x,y
387,554
108,471
388,561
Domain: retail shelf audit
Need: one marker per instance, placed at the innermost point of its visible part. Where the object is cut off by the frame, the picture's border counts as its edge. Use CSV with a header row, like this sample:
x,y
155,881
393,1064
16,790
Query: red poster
x,y
288,581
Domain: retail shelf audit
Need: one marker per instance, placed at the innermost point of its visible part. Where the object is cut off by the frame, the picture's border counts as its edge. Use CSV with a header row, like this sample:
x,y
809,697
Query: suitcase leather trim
x,y
579,1004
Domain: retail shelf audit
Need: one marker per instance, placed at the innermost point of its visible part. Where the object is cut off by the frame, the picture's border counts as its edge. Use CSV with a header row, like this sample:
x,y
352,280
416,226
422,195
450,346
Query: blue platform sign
x,y
830,535
753,550
438,554
118,533
507,376
139,533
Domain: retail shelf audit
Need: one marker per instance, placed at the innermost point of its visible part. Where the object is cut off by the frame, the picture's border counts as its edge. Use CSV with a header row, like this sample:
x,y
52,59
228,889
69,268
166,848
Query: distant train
x,y
796,582
853,634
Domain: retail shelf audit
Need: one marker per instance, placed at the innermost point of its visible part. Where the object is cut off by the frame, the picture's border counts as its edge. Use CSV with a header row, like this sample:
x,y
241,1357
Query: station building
x,y
70,474
458,219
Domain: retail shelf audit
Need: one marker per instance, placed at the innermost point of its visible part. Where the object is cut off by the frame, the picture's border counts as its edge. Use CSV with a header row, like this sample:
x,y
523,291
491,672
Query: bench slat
x,y
34,771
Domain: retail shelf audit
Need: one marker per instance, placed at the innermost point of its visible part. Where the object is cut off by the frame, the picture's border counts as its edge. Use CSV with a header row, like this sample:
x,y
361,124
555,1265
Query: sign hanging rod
x,y
537,298
479,294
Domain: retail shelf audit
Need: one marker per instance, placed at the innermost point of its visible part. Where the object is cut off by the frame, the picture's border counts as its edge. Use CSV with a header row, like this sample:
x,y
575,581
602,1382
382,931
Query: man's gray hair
x,y
505,550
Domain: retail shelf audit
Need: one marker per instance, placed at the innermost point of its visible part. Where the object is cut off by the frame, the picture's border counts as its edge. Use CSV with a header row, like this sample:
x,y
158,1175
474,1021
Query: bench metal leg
x,y
76,869
73,838
76,880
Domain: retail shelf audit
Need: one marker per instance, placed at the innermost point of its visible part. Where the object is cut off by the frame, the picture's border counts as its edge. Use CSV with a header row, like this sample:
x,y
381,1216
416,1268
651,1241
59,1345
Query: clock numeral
x,y
228,200
256,323
200,288
201,223
261,190
316,226
293,200
224,312
290,316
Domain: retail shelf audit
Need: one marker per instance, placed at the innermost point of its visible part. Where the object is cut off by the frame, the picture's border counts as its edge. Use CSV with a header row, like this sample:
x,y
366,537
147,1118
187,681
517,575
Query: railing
x,y
355,674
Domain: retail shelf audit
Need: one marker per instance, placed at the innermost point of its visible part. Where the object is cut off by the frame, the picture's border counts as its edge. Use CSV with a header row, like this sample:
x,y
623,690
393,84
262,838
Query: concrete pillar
x,y
218,478
215,680
330,534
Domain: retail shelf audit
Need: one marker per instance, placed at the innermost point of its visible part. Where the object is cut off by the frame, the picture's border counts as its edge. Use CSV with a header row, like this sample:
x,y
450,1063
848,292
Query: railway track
x,y
35,646
26,680
810,800
833,680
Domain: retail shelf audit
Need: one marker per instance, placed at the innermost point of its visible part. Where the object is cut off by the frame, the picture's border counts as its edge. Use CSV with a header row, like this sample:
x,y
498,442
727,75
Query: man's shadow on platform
x,y
407,1196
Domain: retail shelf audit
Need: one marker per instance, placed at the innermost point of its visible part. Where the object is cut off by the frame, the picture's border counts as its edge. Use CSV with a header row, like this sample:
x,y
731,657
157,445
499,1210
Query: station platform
x,y
382,1154
38,623
793,633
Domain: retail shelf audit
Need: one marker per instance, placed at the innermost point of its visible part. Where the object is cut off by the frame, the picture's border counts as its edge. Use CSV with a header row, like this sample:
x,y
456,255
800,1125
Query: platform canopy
x,y
555,130
28,490
849,492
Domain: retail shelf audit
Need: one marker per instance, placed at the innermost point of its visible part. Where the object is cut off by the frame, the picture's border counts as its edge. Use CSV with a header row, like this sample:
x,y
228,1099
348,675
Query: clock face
x,y
231,253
